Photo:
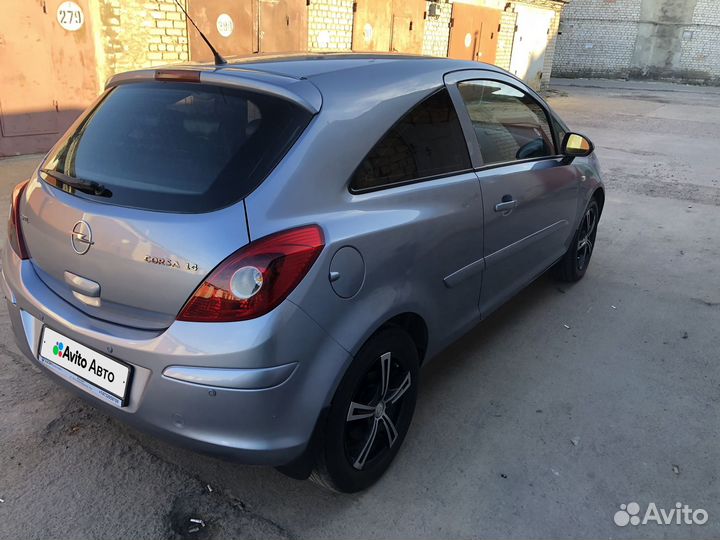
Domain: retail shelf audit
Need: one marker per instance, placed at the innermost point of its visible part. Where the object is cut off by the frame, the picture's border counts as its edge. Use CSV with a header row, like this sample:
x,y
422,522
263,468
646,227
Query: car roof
x,y
355,80
325,80
309,66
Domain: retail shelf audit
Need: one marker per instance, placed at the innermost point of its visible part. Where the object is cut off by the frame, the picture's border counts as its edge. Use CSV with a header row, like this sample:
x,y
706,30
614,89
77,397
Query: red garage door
x,y
283,25
228,25
244,27
382,25
48,75
474,32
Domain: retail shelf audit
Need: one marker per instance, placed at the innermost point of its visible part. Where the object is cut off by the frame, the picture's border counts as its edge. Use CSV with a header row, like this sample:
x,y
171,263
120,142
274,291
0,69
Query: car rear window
x,y
179,147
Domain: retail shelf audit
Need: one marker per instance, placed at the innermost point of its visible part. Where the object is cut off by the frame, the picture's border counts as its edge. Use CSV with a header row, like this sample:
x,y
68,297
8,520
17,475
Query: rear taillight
x,y
255,279
15,236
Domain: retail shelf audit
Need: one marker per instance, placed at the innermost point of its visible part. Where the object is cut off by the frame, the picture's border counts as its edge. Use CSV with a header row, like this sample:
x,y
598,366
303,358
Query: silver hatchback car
x,y
255,259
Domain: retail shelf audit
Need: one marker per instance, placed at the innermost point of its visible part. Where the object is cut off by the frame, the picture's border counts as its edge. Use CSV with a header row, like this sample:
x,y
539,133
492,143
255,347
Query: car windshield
x,y
178,147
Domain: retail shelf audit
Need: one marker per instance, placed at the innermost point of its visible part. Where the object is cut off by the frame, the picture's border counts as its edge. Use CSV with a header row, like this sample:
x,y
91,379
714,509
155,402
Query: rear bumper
x,y
251,390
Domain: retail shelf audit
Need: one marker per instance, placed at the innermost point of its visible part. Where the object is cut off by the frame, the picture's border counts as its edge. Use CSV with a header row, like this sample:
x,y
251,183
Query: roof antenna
x,y
219,60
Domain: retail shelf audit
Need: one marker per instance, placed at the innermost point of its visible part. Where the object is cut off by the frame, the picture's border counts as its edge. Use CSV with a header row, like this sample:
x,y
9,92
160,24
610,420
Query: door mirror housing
x,y
576,145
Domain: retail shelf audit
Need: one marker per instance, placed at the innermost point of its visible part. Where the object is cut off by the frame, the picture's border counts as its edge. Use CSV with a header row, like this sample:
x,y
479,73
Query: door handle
x,y
506,206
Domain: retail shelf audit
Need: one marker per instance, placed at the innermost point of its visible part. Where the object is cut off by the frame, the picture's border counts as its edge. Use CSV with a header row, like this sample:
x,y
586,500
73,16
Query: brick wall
x,y
141,33
437,30
643,38
700,57
506,38
330,25
598,38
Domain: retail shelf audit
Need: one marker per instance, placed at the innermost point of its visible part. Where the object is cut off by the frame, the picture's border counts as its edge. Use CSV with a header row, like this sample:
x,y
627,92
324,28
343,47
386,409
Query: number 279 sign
x,y
70,16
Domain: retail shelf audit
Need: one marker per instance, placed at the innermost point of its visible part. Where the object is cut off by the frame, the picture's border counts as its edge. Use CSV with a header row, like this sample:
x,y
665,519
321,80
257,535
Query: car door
x,y
529,191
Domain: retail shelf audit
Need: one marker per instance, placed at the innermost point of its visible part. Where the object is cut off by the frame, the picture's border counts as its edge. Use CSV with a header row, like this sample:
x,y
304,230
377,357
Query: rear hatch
x,y
142,197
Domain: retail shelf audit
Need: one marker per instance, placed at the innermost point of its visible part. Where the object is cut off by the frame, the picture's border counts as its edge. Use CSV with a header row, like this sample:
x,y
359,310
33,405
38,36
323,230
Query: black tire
x,y
574,264
343,460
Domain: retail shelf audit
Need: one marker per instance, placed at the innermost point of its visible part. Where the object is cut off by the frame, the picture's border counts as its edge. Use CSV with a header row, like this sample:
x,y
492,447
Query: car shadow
x,y
488,332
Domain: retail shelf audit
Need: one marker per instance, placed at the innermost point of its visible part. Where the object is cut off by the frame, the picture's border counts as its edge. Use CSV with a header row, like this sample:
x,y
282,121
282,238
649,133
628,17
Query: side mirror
x,y
576,145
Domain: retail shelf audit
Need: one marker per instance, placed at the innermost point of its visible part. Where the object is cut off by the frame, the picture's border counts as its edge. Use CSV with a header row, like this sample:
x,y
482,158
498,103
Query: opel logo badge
x,y
81,237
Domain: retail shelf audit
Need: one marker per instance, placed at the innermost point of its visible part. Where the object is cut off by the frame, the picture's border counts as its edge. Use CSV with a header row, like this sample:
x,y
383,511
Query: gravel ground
x,y
524,429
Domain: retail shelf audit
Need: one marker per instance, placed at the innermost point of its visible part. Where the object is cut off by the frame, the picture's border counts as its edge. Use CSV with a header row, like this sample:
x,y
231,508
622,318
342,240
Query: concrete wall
x,y
676,39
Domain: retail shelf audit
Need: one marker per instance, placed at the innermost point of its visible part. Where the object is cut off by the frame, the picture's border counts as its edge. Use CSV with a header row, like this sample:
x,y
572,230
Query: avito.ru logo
x,y
75,357
629,514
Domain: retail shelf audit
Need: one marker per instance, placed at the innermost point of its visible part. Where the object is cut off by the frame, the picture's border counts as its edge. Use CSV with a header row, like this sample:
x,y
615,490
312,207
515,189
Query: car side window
x,y
427,142
509,124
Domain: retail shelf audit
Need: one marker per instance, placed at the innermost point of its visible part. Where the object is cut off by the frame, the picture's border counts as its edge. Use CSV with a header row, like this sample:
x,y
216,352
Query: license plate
x,y
104,377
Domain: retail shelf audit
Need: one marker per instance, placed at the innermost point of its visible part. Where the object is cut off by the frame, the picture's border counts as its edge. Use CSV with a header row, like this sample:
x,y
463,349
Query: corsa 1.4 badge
x,y
162,261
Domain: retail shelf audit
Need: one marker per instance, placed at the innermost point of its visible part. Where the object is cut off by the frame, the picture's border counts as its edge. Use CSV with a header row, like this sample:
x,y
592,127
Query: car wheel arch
x,y
416,328
411,322
599,195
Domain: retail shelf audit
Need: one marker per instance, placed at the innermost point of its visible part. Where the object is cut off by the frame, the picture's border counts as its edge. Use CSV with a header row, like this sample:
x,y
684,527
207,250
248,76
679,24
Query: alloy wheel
x,y
370,430
586,238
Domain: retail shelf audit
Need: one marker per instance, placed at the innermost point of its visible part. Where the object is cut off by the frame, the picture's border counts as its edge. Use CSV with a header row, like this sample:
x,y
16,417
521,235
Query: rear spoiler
x,y
299,91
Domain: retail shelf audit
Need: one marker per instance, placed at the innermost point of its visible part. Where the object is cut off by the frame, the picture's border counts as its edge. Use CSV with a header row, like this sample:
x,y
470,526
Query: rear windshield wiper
x,y
86,186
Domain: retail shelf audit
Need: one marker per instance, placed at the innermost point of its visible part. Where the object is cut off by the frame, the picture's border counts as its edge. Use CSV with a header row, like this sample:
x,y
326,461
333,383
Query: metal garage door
x,y
249,26
474,33
408,26
283,25
531,39
372,25
47,56
380,25
228,25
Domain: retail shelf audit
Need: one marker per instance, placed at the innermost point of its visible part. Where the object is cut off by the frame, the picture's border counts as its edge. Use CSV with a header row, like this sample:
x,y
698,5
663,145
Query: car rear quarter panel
x,y
411,237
